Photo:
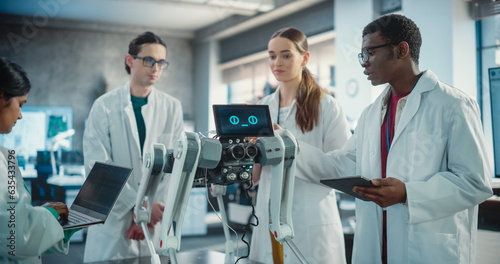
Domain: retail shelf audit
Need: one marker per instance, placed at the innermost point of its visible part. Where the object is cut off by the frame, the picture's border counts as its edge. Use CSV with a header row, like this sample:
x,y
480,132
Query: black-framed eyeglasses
x,y
150,62
364,56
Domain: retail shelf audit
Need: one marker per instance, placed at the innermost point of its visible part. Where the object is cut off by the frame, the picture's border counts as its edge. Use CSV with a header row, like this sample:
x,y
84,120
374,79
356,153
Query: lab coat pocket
x,y
438,247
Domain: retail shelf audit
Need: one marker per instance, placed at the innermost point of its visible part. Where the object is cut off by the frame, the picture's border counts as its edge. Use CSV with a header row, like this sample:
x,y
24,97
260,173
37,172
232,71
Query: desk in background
x,y
491,207
191,257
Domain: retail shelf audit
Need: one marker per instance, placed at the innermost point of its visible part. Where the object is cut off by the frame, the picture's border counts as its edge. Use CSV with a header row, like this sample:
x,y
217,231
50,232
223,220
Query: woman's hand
x,y
257,169
61,209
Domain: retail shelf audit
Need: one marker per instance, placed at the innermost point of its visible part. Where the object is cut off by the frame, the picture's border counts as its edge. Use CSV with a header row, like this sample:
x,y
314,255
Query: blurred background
x,y
74,50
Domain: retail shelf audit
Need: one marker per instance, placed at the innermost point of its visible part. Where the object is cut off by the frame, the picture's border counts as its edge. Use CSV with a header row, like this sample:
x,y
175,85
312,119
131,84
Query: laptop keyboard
x,y
75,217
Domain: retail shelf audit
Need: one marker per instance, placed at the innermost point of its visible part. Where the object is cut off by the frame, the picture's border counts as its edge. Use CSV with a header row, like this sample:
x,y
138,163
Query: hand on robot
x,y
134,232
257,168
254,139
156,214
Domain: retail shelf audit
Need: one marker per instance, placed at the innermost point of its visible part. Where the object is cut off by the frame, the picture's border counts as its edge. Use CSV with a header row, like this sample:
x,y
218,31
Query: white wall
x,y
354,91
448,47
448,40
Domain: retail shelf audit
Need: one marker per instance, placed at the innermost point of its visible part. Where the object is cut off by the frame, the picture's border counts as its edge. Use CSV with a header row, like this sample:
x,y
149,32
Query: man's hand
x,y
390,192
61,209
134,232
156,214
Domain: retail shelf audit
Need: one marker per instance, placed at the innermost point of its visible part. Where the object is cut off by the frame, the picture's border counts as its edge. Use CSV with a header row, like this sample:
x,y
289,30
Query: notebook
x,y
97,196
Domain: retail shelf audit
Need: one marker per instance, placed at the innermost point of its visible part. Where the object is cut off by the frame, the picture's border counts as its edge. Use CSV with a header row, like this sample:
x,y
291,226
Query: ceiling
x,y
177,15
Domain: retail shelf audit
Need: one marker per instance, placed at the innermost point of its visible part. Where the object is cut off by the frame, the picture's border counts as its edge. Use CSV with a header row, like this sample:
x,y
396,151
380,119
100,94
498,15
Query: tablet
x,y
345,184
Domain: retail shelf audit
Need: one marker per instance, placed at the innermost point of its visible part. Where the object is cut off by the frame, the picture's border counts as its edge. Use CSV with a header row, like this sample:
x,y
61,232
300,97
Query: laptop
x,y
97,196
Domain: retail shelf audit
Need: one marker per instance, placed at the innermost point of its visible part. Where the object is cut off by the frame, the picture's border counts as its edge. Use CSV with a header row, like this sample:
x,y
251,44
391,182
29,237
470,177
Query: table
x,y
189,257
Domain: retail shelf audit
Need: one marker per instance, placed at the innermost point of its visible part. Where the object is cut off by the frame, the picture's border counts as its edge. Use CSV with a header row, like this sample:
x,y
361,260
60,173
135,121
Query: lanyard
x,y
388,113
278,114
279,104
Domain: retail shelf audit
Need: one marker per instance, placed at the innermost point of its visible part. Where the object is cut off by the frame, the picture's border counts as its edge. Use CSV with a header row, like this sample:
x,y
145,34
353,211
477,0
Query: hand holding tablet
x,y
345,184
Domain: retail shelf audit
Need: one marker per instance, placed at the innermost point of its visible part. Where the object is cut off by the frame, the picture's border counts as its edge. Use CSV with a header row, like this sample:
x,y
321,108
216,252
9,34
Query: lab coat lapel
x,y
148,115
129,120
274,105
424,84
375,121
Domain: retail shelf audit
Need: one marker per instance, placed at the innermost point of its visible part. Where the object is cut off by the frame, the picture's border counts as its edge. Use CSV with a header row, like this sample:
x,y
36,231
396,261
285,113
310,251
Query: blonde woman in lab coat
x,y
26,231
300,106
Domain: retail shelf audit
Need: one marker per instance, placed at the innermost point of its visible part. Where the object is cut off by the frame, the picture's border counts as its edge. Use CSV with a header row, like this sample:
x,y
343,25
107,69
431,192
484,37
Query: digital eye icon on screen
x,y
252,120
234,120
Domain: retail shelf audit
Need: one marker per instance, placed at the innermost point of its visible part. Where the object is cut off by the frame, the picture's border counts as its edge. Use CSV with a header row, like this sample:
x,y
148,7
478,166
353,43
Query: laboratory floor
x,y
488,243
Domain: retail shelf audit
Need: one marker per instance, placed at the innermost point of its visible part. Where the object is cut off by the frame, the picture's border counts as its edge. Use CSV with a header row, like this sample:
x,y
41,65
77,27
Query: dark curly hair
x,y
13,80
396,28
135,45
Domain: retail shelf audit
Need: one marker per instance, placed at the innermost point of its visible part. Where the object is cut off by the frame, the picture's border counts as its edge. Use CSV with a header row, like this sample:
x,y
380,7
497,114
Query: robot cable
x,y
220,218
247,226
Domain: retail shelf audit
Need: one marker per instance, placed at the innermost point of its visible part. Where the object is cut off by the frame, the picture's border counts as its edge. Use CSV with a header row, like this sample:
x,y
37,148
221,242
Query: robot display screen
x,y
243,120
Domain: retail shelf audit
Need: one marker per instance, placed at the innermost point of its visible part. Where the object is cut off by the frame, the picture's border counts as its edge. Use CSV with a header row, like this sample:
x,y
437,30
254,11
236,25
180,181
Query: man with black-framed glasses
x,y
421,143
122,126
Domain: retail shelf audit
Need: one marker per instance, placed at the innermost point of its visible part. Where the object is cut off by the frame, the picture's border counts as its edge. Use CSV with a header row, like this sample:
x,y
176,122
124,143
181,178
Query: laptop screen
x,y
102,187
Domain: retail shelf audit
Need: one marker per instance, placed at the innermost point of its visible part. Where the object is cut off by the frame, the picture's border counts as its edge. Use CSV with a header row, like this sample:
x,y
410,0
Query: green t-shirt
x,y
137,103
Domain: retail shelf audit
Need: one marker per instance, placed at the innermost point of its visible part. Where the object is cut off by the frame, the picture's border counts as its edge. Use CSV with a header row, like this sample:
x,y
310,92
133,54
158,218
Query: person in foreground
x,y
27,231
301,106
421,142
122,126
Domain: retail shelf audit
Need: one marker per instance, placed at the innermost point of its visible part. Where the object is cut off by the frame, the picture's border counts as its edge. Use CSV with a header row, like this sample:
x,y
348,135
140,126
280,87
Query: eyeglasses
x,y
364,56
150,62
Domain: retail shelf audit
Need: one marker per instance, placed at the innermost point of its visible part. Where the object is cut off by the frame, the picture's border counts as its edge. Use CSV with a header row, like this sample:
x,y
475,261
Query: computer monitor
x,y
32,133
494,76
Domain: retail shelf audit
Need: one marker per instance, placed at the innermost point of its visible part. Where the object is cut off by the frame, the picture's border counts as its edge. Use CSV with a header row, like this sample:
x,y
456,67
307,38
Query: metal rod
x,y
149,241
220,202
296,251
229,258
172,255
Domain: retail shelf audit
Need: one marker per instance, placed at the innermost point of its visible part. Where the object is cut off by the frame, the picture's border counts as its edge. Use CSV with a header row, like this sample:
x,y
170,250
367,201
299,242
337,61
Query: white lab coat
x,y
438,151
316,221
111,136
34,230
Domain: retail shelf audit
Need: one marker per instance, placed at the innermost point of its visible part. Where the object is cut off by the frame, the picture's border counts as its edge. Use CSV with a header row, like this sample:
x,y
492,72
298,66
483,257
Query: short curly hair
x,y
396,28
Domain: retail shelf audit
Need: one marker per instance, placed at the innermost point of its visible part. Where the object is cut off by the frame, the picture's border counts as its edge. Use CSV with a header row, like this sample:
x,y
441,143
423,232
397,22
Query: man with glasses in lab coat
x,y
421,143
122,126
